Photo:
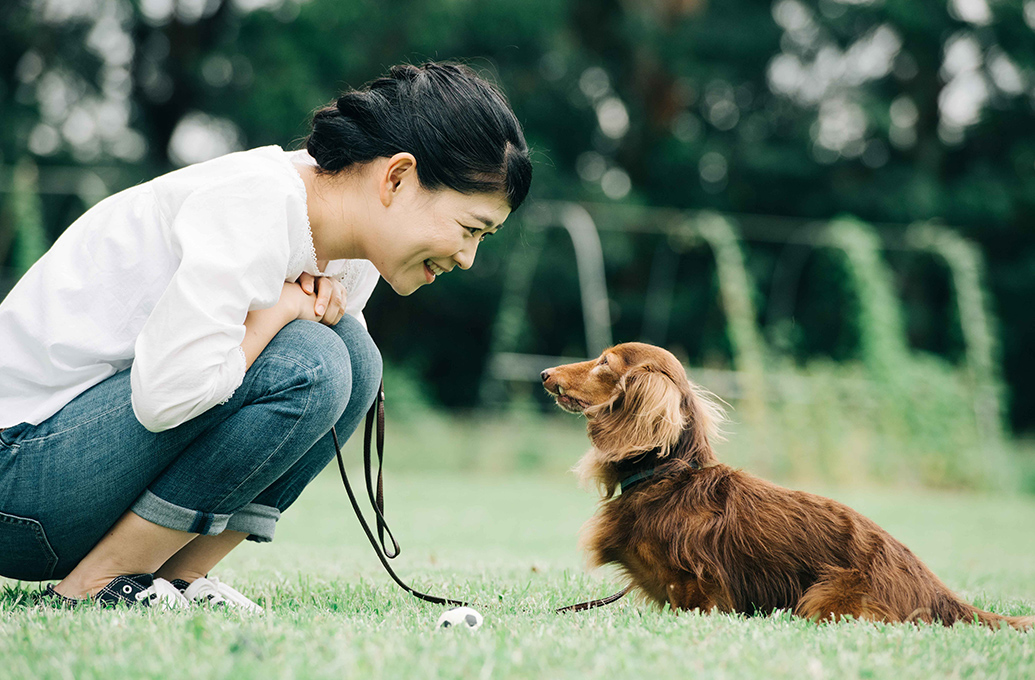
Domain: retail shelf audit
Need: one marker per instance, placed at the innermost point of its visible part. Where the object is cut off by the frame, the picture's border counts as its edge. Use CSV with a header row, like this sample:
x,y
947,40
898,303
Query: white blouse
x,y
159,278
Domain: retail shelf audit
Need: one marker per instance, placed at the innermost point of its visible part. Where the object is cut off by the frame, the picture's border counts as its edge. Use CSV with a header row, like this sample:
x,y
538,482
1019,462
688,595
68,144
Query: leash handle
x,y
378,411
377,502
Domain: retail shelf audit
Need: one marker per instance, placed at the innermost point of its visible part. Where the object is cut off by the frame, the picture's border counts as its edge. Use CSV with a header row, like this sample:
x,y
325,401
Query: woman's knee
x,y
341,362
366,361
318,363
365,356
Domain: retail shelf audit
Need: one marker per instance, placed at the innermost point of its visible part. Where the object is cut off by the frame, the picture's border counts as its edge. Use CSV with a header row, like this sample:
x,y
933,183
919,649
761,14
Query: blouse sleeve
x,y
232,241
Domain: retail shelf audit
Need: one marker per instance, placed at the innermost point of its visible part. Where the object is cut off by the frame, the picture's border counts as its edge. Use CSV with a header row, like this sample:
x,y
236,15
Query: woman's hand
x,y
312,299
296,303
330,297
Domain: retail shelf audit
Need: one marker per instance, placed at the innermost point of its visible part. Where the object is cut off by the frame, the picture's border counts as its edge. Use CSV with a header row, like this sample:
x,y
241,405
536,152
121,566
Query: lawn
x,y
507,541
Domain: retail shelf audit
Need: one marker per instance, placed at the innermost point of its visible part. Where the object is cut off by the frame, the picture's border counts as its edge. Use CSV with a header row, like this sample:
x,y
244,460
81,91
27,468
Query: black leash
x,y
377,502
593,604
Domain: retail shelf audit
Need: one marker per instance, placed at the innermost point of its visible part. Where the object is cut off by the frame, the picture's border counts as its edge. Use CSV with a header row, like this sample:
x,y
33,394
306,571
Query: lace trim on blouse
x,y
297,177
348,272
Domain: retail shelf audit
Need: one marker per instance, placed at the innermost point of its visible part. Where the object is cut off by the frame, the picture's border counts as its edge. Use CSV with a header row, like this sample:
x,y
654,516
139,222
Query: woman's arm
x,y
261,325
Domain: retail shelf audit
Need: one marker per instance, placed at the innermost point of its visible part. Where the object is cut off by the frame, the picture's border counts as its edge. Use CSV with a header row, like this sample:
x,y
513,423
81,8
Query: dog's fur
x,y
701,535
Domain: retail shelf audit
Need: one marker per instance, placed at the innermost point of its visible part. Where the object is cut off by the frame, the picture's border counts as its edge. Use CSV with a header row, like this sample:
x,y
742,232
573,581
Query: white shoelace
x,y
215,591
163,594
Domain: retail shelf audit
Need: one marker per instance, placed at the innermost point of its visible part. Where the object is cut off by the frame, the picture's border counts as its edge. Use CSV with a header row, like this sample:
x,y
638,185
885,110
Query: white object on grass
x,y
462,617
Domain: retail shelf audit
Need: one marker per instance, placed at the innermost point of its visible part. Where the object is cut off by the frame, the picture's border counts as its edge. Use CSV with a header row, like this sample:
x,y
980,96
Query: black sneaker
x,y
132,589
180,584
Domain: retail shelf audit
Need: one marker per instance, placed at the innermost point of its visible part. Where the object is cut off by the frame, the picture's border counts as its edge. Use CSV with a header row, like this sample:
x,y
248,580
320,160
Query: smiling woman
x,y
174,364
433,158
409,233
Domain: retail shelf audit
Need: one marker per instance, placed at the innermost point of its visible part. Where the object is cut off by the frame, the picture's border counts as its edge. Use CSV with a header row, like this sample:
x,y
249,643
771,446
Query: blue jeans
x,y
64,482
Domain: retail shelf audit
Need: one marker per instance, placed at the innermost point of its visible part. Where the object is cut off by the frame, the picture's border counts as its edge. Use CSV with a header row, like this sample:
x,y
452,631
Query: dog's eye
x,y
603,360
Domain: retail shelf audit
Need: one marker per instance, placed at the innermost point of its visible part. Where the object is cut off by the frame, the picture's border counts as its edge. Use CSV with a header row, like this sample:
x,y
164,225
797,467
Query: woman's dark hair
x,y
458,126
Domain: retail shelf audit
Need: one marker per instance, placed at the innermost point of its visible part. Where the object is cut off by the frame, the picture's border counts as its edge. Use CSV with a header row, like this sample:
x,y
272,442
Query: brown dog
x,y
697,534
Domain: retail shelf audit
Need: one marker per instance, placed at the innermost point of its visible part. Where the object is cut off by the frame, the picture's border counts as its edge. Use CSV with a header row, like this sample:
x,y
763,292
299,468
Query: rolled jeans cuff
x,y
258,521
172,516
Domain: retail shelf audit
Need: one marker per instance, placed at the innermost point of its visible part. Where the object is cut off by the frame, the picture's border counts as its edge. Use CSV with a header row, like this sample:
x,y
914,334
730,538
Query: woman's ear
x,y
643,414
400,168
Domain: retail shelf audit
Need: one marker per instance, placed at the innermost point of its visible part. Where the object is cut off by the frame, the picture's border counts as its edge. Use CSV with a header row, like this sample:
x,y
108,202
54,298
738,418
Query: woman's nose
x,y
465,258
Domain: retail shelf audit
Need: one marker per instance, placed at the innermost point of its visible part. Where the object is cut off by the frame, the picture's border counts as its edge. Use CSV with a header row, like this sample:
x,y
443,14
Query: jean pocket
x,y
25,552
9,436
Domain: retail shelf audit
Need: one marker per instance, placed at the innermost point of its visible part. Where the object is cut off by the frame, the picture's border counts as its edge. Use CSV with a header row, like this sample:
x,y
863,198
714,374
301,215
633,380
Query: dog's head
x,y
637,400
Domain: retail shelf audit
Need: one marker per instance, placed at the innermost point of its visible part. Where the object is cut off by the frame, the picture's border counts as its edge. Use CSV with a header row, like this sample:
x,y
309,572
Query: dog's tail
x,y
995,621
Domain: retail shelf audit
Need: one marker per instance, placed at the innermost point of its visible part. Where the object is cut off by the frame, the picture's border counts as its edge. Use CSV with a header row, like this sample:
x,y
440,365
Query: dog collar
x,y
632,480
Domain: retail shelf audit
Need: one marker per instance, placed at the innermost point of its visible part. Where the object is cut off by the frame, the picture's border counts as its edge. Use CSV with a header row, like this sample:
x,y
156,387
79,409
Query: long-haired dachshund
x,y
697,534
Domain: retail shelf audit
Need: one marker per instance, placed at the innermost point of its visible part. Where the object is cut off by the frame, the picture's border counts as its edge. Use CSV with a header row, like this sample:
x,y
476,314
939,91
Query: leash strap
x,y
377,411
593,604
377,502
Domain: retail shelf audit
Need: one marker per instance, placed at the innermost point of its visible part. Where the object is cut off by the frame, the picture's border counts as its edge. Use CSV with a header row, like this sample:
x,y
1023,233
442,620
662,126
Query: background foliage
x,y
893,111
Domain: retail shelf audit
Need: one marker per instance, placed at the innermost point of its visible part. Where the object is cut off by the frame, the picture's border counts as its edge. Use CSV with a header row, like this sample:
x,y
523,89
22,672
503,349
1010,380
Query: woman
x,y
171,368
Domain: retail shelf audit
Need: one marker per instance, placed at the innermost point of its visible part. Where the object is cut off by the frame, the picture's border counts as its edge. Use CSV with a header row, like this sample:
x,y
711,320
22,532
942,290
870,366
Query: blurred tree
x,y
890,110
24,218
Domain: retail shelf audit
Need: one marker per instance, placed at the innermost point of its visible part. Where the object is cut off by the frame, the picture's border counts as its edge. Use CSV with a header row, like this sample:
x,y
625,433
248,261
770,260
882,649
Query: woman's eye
x,y
473,231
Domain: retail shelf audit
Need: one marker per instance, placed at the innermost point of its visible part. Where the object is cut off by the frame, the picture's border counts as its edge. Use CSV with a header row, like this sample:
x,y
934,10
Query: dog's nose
x,y
545,374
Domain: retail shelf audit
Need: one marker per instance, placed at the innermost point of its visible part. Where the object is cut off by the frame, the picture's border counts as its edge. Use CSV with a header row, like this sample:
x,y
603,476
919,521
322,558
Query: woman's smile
x,y
432,270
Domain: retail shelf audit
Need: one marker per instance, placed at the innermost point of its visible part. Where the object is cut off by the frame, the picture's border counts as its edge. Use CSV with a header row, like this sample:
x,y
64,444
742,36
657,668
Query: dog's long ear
x,y
643,414
705,417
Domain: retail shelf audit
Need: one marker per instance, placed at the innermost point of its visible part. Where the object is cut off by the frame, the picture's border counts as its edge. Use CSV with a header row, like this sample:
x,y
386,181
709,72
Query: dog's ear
x,y
643,414
705,417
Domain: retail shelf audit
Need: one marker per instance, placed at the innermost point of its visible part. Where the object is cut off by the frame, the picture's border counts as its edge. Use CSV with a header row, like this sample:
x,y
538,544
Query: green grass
x,y
485,511
507,541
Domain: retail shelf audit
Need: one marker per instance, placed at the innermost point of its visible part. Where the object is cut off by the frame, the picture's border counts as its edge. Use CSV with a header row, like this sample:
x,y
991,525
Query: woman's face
x,y
426,234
